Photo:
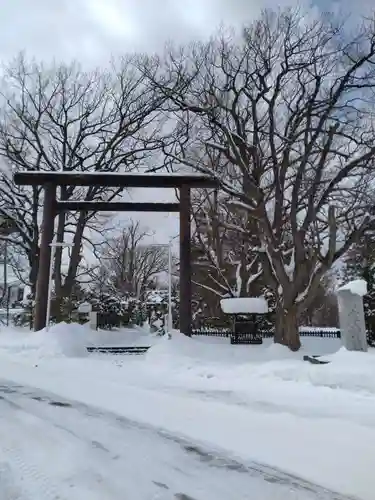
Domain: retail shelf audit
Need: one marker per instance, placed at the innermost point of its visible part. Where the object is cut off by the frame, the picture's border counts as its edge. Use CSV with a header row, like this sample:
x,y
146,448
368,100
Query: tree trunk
x,y
56,308
279,325
286,331
58,255
64,289
75,256
33,258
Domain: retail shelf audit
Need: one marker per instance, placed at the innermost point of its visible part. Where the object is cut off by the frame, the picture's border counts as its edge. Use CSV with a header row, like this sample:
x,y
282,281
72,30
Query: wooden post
x,y
42,284
185,261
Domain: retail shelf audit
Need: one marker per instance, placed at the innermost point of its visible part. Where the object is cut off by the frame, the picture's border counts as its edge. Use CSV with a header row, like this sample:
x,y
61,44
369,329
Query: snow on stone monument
x,y
352,316
244,305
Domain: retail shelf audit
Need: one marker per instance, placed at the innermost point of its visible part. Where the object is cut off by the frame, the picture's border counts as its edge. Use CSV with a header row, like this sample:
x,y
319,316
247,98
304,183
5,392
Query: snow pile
x,y
356,287
188,361
220,366
218,350
348,371
170,352
62,340
127,337
256,402
70,340
181,350
244,305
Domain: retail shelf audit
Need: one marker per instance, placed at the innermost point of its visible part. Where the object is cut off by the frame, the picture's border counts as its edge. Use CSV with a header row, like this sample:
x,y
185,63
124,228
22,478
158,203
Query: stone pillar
x,y
93,320
352,317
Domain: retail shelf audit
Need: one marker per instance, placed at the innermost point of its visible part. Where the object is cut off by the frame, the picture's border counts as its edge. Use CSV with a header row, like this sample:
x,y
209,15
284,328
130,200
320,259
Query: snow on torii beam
x,y
50,180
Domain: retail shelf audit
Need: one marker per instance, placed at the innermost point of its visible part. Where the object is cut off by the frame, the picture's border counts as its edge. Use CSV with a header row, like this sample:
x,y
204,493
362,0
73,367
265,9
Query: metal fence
x,y
304,332
212,332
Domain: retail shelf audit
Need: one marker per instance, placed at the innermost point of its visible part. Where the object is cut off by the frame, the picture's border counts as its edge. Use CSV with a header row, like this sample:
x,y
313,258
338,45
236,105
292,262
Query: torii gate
x,y
51,180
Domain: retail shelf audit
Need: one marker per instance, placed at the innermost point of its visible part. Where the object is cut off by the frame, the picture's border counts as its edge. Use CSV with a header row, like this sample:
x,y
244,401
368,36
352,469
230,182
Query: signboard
x,y
246,338
245,332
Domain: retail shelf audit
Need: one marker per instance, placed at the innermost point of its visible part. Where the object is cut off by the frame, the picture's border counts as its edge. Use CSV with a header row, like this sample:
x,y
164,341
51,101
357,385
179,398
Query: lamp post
x,y
169,246
53,246
170,319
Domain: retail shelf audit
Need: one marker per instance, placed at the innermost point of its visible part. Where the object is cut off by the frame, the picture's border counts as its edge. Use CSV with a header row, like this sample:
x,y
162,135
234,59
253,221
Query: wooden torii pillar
x,y
185,261
42,284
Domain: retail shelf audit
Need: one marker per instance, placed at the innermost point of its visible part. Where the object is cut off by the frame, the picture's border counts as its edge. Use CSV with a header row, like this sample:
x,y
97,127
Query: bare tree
x,y
60,118
130,262
289,109
98,278
323,308
224,263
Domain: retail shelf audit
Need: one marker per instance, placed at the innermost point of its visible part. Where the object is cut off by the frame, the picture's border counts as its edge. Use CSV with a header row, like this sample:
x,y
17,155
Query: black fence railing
x,y
212,332
304,332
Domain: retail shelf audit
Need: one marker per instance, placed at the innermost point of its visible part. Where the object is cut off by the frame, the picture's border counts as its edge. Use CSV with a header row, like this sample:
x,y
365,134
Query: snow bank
x,y
219,350
348,371
123,337
69,340
188,361
356,287
280,427
244,305
257,402
62,340
220,366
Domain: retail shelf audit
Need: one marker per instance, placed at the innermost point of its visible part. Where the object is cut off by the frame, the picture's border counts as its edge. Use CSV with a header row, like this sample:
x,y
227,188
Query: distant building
x,y
16,291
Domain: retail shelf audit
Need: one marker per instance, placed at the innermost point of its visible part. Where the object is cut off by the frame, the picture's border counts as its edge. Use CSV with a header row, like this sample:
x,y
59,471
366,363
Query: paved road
x,y
53,449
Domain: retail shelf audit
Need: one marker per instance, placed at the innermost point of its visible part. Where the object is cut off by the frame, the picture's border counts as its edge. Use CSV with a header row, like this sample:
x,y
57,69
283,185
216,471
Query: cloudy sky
x,y
94,30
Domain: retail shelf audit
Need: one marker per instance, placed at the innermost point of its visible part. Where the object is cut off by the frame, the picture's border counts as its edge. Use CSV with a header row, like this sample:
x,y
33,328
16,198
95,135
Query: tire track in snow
x,y
22,480
8,485
28,447
21,477
38,405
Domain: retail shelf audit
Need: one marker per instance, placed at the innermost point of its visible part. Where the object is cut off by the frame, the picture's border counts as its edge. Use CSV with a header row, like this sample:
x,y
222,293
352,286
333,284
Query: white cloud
x,y
93,30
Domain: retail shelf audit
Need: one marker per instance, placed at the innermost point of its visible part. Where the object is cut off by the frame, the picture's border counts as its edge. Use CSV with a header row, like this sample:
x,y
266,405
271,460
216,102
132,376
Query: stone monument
x,y
352,316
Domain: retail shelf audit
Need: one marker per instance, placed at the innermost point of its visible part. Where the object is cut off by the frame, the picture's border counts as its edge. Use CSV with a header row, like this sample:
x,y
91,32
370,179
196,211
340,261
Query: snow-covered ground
x,y
88,453
248,404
